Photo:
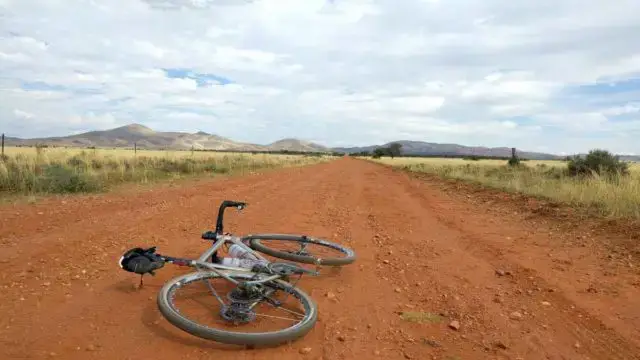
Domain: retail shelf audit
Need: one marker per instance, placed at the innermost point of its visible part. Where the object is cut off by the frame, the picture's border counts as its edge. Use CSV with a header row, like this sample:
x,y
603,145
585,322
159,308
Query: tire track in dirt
x,y
519,249
414,254
590,334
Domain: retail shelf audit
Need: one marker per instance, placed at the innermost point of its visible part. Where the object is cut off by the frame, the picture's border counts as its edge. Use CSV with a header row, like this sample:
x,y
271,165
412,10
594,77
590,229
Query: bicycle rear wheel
x,y
239,321
296,248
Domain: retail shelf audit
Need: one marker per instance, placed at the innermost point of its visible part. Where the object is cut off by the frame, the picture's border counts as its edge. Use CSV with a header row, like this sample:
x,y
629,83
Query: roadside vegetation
x,y
31,170
598,180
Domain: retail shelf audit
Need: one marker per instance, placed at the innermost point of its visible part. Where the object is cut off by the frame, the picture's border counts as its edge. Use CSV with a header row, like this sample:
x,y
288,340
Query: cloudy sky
x,y
547,75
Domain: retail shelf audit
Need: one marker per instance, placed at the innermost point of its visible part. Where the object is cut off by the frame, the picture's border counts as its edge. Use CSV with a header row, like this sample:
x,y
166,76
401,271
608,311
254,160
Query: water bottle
x,y
243,263
241,258
238,251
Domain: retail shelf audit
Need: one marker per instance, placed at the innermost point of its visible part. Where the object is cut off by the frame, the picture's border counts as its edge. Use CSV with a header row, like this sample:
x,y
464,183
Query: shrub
x,y
59,179
514,161
600,162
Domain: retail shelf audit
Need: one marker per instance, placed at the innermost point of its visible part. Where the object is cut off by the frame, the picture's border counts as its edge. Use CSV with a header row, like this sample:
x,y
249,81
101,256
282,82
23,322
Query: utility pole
x,y
2,154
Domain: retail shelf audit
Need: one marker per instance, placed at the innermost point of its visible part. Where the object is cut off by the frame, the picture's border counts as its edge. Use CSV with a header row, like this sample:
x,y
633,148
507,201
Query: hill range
x,y
146,138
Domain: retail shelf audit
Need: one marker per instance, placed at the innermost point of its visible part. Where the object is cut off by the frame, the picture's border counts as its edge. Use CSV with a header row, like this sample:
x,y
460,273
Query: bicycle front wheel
x,y
302,249
206,305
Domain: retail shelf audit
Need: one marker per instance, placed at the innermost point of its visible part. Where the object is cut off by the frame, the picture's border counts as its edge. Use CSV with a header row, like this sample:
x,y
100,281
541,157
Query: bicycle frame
x,y
202,261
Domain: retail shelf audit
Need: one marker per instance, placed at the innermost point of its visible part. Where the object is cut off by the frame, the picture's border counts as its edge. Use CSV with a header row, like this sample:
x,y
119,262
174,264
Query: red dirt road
x,y
64,296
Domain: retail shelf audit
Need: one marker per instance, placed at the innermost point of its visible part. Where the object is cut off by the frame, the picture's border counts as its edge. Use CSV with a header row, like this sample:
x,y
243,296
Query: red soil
x,y
450,251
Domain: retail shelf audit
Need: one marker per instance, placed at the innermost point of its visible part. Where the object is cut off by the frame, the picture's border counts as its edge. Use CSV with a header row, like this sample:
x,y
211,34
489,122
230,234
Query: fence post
x,y
135,148
513,152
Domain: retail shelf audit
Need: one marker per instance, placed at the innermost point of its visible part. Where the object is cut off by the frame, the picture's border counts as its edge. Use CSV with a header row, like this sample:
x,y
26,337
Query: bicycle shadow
x,y
153,320
129,286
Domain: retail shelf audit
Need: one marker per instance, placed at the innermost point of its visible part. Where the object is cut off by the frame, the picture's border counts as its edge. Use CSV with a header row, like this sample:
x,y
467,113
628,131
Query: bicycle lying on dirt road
x,y
253,282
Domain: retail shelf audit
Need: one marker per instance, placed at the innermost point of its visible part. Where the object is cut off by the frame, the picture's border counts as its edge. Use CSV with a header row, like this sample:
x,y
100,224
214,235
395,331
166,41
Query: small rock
x,y
330,295
407,356
500,272
576,345
431,343
455,325
385,261
500,344
91,347
305,351
341,338
546,303
376,353
52,354
398,290
516,315
497,299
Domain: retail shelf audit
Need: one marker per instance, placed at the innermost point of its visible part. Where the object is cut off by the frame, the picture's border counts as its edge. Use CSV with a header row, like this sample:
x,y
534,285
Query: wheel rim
x,y
194,300
298,246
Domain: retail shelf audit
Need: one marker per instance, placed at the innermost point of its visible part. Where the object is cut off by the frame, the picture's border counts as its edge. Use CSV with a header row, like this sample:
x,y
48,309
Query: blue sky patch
x,y
606,88
41,86
202,79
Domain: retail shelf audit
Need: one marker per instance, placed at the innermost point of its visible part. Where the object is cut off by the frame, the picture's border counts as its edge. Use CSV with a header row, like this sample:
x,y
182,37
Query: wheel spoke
x,y
239,314
275,317
213,291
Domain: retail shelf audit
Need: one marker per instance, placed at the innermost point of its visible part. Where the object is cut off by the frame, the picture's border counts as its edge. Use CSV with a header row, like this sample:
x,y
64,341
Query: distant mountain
x,y
297,145
633,158
146,138
434,149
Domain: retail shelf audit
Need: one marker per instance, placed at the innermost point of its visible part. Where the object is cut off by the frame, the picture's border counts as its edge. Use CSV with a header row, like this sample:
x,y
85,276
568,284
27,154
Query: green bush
x,y
597,162
59,179
514,161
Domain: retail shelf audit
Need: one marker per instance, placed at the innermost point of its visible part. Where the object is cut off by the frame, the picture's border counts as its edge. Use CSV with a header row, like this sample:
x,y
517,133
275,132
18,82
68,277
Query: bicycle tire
x,y
231,337
256,244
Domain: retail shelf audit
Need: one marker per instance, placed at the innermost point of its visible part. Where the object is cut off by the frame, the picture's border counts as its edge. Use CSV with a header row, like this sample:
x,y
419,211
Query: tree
x,y
379,152
599,162
514,160
395,149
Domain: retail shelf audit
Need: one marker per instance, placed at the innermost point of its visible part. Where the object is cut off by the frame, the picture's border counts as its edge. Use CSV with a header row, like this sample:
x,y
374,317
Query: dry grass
x,y
618,197
60,170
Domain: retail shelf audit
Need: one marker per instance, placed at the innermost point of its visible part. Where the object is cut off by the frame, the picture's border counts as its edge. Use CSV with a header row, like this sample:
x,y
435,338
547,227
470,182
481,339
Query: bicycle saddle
x,y
141,261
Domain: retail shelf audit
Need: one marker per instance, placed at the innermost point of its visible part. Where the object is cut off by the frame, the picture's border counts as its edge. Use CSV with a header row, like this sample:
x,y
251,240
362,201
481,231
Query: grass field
x,y
617,197
67,170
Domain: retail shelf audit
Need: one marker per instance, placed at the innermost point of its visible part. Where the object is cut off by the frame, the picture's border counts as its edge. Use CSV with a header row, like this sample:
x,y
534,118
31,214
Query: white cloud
x,y
20,114
622,110
495,73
